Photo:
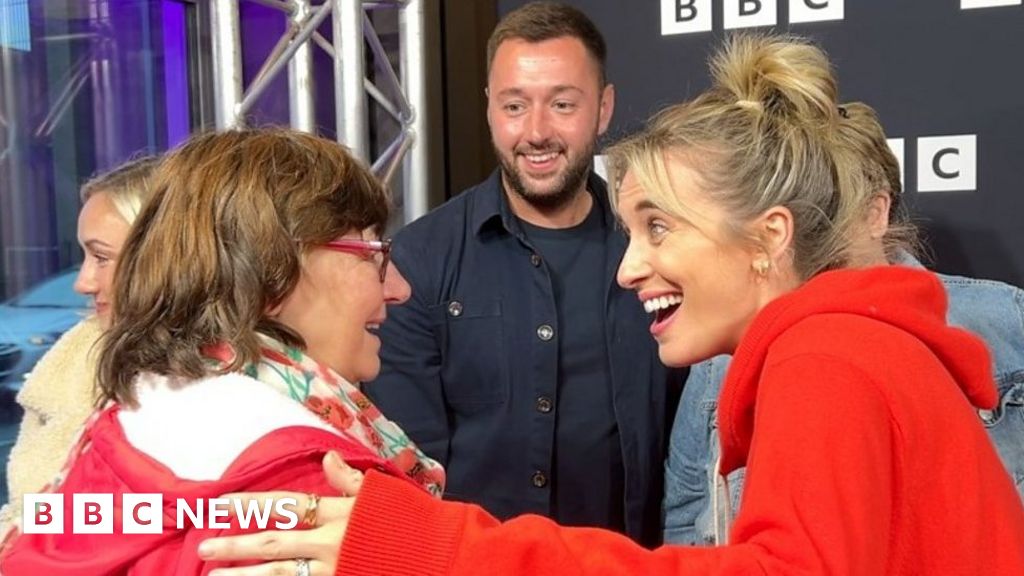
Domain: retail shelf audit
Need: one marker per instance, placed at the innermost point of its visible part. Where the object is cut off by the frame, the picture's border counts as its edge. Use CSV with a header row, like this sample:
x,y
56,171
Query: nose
x,y
538,127
85,282
633,268
396,288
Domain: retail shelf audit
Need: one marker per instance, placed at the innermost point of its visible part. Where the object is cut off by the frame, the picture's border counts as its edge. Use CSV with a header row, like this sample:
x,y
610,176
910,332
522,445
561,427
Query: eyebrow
x,y
646,204
559,89
97,243
641,206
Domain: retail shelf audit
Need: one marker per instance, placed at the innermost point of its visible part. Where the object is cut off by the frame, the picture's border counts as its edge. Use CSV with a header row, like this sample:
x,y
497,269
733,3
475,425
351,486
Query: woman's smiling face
x,y
699,284
338,305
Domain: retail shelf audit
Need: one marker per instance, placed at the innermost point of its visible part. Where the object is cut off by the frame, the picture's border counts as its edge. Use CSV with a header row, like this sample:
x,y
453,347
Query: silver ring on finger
x,y
301,567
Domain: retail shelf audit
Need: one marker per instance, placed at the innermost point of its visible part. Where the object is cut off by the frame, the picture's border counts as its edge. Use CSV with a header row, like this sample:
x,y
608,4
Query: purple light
x,y
175,71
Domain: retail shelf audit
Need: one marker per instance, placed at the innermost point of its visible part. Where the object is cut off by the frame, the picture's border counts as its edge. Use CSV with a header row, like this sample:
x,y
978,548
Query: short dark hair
x,y
540,21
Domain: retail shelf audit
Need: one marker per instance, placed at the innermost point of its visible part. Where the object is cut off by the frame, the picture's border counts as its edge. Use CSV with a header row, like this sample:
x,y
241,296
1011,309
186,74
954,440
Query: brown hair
x,y
539,21
765,134
221,243
128,186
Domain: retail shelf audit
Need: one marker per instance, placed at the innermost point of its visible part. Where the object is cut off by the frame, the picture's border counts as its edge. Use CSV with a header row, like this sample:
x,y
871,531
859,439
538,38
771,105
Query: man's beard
x,y
570,182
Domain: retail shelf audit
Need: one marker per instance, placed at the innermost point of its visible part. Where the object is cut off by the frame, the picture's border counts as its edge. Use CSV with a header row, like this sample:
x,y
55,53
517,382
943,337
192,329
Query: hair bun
x,y
783,74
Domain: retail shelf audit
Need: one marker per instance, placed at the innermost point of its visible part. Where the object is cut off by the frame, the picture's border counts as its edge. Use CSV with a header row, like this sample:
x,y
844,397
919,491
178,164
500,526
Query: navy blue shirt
x,y
585,426
470,363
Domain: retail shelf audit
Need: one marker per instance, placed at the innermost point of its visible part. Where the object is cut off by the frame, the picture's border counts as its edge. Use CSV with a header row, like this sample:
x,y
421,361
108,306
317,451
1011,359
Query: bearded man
x,y
518,362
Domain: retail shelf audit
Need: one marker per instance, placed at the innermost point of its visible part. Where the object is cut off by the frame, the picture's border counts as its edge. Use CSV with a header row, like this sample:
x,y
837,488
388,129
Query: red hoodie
x,y
851,403
286,459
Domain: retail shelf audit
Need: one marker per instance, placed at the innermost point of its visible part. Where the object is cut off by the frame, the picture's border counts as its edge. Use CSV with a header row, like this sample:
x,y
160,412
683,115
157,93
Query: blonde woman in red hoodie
x,y
850,400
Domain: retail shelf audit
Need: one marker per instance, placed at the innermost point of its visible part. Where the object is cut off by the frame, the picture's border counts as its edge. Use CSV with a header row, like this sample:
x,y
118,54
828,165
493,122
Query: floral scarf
x,y
340,404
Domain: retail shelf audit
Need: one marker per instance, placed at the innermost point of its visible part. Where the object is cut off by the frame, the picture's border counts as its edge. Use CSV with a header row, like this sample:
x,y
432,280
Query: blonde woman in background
x,y
60,393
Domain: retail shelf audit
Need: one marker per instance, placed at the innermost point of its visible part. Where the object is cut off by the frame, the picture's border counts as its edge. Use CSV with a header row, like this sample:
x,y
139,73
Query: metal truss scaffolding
x,y
352,30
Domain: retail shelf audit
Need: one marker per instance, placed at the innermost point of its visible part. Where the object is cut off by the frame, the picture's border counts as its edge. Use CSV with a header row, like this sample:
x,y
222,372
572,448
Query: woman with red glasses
x,y
248,298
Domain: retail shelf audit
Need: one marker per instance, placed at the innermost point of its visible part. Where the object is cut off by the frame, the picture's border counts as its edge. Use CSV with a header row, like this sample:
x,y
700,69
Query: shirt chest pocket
x,y
474,368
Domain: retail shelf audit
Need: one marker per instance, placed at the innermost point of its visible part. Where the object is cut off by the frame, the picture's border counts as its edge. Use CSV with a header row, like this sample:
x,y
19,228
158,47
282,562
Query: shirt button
x,y
544,404
535,260
545,332
539,479
455,308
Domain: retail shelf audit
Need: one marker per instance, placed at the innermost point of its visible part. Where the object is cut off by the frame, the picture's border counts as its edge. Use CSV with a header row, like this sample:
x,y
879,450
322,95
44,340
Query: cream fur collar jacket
x,y
57,397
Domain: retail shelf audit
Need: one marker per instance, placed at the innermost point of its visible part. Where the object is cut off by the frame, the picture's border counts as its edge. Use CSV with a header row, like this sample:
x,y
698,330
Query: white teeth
x,y
538,158
373,326
661,302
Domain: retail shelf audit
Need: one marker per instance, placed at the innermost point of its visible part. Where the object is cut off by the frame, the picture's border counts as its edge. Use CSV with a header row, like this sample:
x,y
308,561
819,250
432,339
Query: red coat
x,y
852,405
286,459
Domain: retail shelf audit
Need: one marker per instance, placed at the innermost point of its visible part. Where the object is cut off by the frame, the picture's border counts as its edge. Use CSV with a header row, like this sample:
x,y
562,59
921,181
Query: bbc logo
x,y
944,163
92,514
144,513
692,16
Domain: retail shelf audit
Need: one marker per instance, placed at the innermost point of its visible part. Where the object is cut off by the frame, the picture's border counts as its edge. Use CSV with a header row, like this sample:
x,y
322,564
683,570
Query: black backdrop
x,y
932,68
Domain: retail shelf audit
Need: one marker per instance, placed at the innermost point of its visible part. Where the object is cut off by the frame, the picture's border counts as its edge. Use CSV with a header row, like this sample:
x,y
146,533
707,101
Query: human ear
x,y
607,108
775,229
878,215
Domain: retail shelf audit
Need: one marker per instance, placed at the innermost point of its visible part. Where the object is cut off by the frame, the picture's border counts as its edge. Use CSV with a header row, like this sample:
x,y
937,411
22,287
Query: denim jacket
x,y
992,310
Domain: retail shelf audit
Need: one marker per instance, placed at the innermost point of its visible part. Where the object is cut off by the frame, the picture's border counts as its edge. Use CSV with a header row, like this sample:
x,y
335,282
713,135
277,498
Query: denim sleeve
x,y
409,389
686,470
1005,424
995,312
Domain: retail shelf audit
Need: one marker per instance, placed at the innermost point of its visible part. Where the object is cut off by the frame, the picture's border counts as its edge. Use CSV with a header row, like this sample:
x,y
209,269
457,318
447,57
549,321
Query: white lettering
x,y
749,13
897,147
142,514
685,16
947,163
92,514
219,508
253,509
196,517
815,10
42,513
293,518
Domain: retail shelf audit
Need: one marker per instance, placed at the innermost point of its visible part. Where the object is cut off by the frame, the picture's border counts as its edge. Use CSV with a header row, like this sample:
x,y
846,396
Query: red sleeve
x,y
397,530
804,512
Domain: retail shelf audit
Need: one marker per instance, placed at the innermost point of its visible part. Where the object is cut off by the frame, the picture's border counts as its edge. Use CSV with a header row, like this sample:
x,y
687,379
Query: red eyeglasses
x,y
364,248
